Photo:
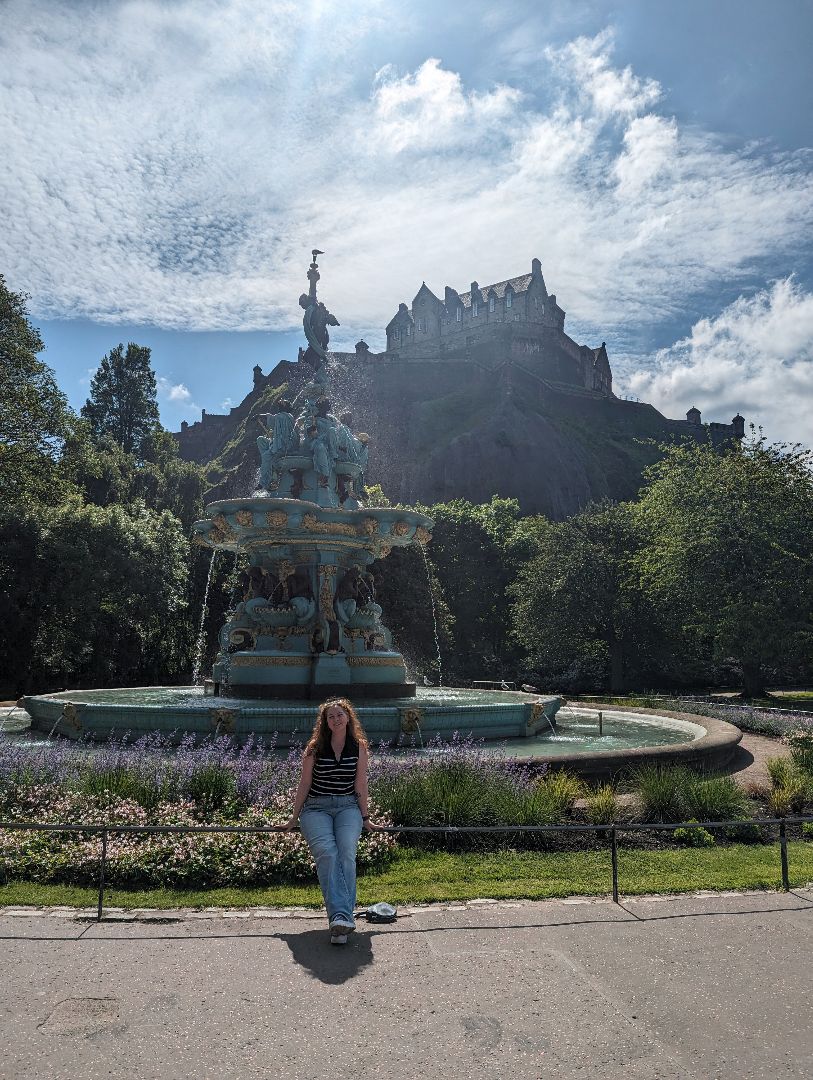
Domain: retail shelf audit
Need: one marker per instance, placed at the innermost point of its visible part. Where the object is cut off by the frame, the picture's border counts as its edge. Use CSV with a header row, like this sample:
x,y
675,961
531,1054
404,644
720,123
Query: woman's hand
x,y
291,824
371,826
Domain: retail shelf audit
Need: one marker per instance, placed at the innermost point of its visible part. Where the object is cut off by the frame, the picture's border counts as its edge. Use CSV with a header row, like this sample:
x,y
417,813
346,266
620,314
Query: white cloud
x,y
174,164
429,108
604,89
177,393
227,404
756,356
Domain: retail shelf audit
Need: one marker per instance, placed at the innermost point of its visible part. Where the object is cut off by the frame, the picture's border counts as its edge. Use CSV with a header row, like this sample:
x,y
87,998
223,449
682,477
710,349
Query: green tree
x,y
34,415
728,551
578,611
476,550
122,398
97,596
106,475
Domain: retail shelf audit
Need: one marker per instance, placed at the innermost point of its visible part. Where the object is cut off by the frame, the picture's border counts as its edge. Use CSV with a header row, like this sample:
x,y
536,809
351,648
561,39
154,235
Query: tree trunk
x,y
616,667
753,684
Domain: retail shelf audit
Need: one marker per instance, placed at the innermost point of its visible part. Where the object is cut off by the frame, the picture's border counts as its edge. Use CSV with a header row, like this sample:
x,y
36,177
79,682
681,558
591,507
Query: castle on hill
x,y
512,318
479,393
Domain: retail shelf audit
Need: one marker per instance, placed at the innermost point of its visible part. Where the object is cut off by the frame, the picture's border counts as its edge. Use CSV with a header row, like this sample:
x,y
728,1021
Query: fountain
x,y
308,625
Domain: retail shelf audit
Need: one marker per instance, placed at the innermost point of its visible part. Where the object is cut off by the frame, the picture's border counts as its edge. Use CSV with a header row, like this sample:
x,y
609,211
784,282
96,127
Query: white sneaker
x,y
342,926
338,939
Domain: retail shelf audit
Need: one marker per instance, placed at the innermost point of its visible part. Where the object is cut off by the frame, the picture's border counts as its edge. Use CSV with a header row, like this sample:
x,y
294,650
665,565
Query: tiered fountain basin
x,y
528,729
320,630
176,711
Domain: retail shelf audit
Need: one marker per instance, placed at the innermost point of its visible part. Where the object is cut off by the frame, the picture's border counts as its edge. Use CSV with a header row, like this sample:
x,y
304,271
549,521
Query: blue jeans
x,y
331,824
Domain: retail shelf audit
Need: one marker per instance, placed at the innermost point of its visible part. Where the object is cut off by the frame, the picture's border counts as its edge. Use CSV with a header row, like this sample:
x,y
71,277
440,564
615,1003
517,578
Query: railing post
x,y
101,876
614,854
783,851
600,722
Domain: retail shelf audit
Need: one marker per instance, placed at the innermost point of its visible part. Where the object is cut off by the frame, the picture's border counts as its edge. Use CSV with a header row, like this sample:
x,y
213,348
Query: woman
x,y
331,806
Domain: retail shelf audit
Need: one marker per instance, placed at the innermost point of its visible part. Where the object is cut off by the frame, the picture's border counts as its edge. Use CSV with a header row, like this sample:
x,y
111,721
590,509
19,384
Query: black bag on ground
x,y
380,913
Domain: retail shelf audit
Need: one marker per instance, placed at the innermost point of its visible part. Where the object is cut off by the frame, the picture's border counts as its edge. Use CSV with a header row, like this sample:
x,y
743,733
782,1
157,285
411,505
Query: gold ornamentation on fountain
x,y
223,719
221,532
411,720
374,661
244,518
399,528
422,535
311,523
70,714
270,661
277,519
327,574
384,551
368,527
285,569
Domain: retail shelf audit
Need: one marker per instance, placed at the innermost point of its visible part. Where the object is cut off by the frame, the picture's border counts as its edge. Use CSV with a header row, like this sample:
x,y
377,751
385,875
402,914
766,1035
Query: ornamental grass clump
x,y
602,805
661,792
716,798
801,750
791,786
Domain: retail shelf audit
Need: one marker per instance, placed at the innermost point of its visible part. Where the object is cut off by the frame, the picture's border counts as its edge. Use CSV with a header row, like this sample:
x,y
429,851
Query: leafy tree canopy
x,y
106,475
96,596
34,414
122,401
728,550
578,611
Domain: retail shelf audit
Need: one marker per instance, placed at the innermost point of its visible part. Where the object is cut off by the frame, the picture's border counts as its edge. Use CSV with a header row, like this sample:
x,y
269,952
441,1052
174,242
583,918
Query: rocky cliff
x,y
449,429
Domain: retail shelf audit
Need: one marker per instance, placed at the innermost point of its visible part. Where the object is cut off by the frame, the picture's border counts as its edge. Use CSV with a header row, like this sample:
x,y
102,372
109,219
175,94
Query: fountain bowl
x,y
532,730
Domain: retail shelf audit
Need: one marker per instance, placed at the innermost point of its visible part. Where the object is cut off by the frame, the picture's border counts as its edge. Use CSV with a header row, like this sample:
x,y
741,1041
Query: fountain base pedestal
x,y
285,675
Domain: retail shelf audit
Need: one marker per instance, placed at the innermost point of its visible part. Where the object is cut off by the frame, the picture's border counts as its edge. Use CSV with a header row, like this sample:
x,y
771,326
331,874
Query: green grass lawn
x,y
421,877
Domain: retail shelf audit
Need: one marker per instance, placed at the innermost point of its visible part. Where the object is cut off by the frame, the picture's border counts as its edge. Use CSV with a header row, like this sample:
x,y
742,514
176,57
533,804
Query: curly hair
x,y
320,737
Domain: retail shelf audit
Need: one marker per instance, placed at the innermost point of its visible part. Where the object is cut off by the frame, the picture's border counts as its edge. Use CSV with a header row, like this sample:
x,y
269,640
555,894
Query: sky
x,y
168,167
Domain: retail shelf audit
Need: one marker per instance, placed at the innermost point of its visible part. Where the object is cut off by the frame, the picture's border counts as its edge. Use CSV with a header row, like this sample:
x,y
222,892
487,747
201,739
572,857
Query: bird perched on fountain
x,y
504,685
530,689
427,681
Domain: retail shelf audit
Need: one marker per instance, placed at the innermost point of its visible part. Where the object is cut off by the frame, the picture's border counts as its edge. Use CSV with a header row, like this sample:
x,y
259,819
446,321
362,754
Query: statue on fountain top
x,y
315,323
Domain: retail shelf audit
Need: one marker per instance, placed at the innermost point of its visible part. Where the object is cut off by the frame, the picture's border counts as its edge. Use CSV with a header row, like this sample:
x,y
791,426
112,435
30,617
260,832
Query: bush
x,y
212,786
807,830
697,837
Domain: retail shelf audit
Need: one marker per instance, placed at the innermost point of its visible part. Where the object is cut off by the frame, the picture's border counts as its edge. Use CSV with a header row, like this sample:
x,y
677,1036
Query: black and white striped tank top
x,y
332,777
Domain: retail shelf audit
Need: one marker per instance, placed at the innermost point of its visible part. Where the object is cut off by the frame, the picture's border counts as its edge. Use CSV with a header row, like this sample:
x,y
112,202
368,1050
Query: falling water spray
x,y
201,642
434,615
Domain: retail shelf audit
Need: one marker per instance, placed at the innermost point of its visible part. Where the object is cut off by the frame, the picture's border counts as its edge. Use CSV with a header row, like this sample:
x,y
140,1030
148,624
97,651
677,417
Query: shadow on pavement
x,y
332,964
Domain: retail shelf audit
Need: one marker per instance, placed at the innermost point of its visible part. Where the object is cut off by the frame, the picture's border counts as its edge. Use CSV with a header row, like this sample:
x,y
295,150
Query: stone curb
x,y
173,915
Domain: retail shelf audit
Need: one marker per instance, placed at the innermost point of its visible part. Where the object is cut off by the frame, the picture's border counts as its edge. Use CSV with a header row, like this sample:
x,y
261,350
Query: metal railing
x,y
614,829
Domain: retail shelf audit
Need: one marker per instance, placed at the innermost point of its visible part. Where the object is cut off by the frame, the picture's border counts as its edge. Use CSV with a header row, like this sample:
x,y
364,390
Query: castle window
x,y
459,313
509,299
491,302
475,308
408,330
421,324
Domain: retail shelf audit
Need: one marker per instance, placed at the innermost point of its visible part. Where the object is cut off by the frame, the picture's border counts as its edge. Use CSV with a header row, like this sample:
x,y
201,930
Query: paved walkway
x,y
706,986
